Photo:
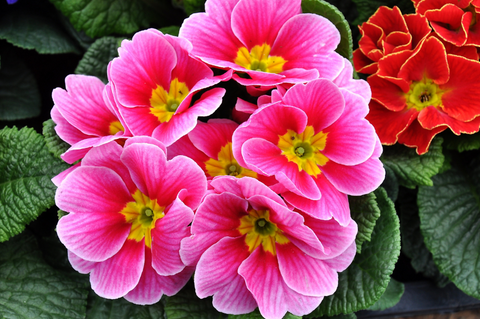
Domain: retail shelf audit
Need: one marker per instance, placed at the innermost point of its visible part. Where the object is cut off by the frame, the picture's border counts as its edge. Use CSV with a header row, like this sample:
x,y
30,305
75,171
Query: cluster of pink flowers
x,y
256,209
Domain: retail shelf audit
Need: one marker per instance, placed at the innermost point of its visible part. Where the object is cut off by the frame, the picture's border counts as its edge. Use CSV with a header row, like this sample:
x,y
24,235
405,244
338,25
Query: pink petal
x,y
82,105
305,274
118,275
148,60
146,140
81,265
251,187
268,123
256,22
152,286
166,237
355,180
234,298
64,129
345,81
139,120
94,237
89,190
342,261
185,147
212,136
79,149
332,203
321,101
264,157
217,217
57,180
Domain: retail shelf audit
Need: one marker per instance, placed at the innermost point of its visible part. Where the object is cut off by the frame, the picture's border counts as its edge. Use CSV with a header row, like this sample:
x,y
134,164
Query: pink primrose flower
x,y
86,115
316,142
251,250
270,41
210,146
129,208
154,81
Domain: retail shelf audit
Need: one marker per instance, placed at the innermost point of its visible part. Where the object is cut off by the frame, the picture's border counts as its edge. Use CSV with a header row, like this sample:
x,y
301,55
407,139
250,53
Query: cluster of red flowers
x,y
424,69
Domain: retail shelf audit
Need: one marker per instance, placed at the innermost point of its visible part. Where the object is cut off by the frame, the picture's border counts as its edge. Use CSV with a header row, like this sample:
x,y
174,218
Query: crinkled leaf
x,y
461,143
331,12
26,167
256,315
99,308
172,30
413,245
192,6
342,316
366,279
103,17
30,288
19,95
186,305
97,57
367,8
30,30
365,211
390,297
450,223
54,143
412,169
390,184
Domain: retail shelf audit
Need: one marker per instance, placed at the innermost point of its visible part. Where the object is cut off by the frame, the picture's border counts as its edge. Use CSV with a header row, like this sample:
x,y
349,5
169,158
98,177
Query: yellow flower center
x,y
304,149
424,93
227,165
142,214
258,59
165,104
115,127
260,230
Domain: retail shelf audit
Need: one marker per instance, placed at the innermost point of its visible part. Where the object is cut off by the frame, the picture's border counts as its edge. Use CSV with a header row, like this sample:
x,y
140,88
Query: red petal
x,y
387,93
455,18
418,27
397,41
416,136
372,37
362,63
432,117
389,66
389,20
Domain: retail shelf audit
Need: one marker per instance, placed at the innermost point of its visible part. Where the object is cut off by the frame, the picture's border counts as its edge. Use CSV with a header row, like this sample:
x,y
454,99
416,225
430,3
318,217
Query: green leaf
x,y
342,316
365,212
192,6
390,184
30,30
412,169
366,279
450,223
26,168
366,8
256,315
390,297
97,57
30,288
325,9
54,143
462,143
186,305
172,30
413,245
19,95
99,308
103,17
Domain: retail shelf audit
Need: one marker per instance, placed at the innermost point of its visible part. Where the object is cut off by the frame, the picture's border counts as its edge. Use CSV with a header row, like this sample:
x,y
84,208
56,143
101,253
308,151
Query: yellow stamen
x,y
163,104
227,164
258,59
115,127
424,93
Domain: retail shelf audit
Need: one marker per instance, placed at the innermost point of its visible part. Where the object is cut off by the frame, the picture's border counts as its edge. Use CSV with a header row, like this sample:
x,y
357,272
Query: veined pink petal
x,y
212,136
268,123
93,237
89,190
256,22
57,180
333,203
305,274
217,217
84,93
355,180
333,236
118,275
182,173
182,123
111,103
65,130
81,265
211,34
79,149
212,275
185,147
251,187
264,157
274,298
346,81
342,261
147,165
148,60
152,286
166,237
305,40
147,140
321,101
234,298
140,120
